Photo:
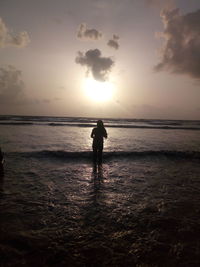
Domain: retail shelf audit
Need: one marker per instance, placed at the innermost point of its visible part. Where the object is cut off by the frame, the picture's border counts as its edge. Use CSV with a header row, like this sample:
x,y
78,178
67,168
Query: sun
x,y
98,91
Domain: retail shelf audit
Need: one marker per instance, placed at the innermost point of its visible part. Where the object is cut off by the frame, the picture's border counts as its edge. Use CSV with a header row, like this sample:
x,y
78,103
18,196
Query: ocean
x,y
140,208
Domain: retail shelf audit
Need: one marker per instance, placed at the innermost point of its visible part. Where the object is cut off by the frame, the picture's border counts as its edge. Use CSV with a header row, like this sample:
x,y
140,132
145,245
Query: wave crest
x,y
84,155
125,126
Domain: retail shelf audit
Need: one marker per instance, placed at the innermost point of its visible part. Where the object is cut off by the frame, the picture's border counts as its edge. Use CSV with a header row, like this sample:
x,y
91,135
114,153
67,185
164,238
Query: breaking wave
x,y
90,125
84,155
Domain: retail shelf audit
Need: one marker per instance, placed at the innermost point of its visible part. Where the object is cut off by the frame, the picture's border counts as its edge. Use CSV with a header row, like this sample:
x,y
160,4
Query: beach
x,y
140,208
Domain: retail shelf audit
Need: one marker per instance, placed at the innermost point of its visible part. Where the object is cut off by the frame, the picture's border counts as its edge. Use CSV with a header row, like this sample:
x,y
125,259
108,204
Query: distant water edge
x,y
90,122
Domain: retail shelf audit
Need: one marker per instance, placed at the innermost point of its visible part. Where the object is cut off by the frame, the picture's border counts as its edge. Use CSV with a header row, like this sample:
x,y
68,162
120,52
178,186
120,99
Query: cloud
x,y
181,50
97,65
114,42
11,85
13,97
8,39
90,34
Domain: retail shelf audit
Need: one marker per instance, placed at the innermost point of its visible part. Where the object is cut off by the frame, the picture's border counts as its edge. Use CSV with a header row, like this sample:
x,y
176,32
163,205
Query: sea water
x,y
140,207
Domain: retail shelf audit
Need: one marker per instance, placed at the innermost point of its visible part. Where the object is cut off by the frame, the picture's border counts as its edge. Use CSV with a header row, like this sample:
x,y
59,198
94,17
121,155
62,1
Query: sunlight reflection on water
x,y
36,138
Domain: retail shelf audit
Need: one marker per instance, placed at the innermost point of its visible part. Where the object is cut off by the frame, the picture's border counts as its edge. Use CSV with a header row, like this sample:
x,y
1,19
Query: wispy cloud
x,y
114,42
97,65
7,38
11,85
88,34
12,88
181,50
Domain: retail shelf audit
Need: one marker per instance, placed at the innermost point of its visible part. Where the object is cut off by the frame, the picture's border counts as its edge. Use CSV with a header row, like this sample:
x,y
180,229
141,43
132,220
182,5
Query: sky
x,y
100,58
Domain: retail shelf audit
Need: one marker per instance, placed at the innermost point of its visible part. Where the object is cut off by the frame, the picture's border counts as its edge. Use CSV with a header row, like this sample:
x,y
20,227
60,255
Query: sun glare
x,y
98,91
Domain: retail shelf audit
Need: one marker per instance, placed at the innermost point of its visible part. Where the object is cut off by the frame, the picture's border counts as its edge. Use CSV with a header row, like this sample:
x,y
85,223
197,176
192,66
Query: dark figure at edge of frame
x,y
1,164
98,134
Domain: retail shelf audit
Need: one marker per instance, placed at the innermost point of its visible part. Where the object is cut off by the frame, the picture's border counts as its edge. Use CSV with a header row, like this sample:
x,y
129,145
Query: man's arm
x,y
105,134
92,134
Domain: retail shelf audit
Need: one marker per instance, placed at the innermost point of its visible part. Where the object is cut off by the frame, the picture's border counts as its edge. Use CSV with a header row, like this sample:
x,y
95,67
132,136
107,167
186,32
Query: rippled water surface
x,y
140,208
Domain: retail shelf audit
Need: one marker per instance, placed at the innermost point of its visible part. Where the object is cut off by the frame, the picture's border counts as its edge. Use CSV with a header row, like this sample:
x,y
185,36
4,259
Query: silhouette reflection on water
x,y
97,171
97,177
95,207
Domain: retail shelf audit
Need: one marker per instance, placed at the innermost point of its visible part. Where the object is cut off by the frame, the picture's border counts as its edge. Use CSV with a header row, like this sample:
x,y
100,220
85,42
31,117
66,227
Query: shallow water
x,y
138,209
135,213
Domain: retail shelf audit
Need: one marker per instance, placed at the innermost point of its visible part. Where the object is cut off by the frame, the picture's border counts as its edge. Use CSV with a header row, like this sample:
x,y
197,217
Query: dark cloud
x,y
96,64
11,85
181,49
114,42
8,39
91,34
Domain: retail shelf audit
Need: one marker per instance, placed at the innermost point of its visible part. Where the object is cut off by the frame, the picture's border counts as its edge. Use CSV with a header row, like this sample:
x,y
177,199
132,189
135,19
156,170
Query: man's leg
x,y
94,155
100,156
